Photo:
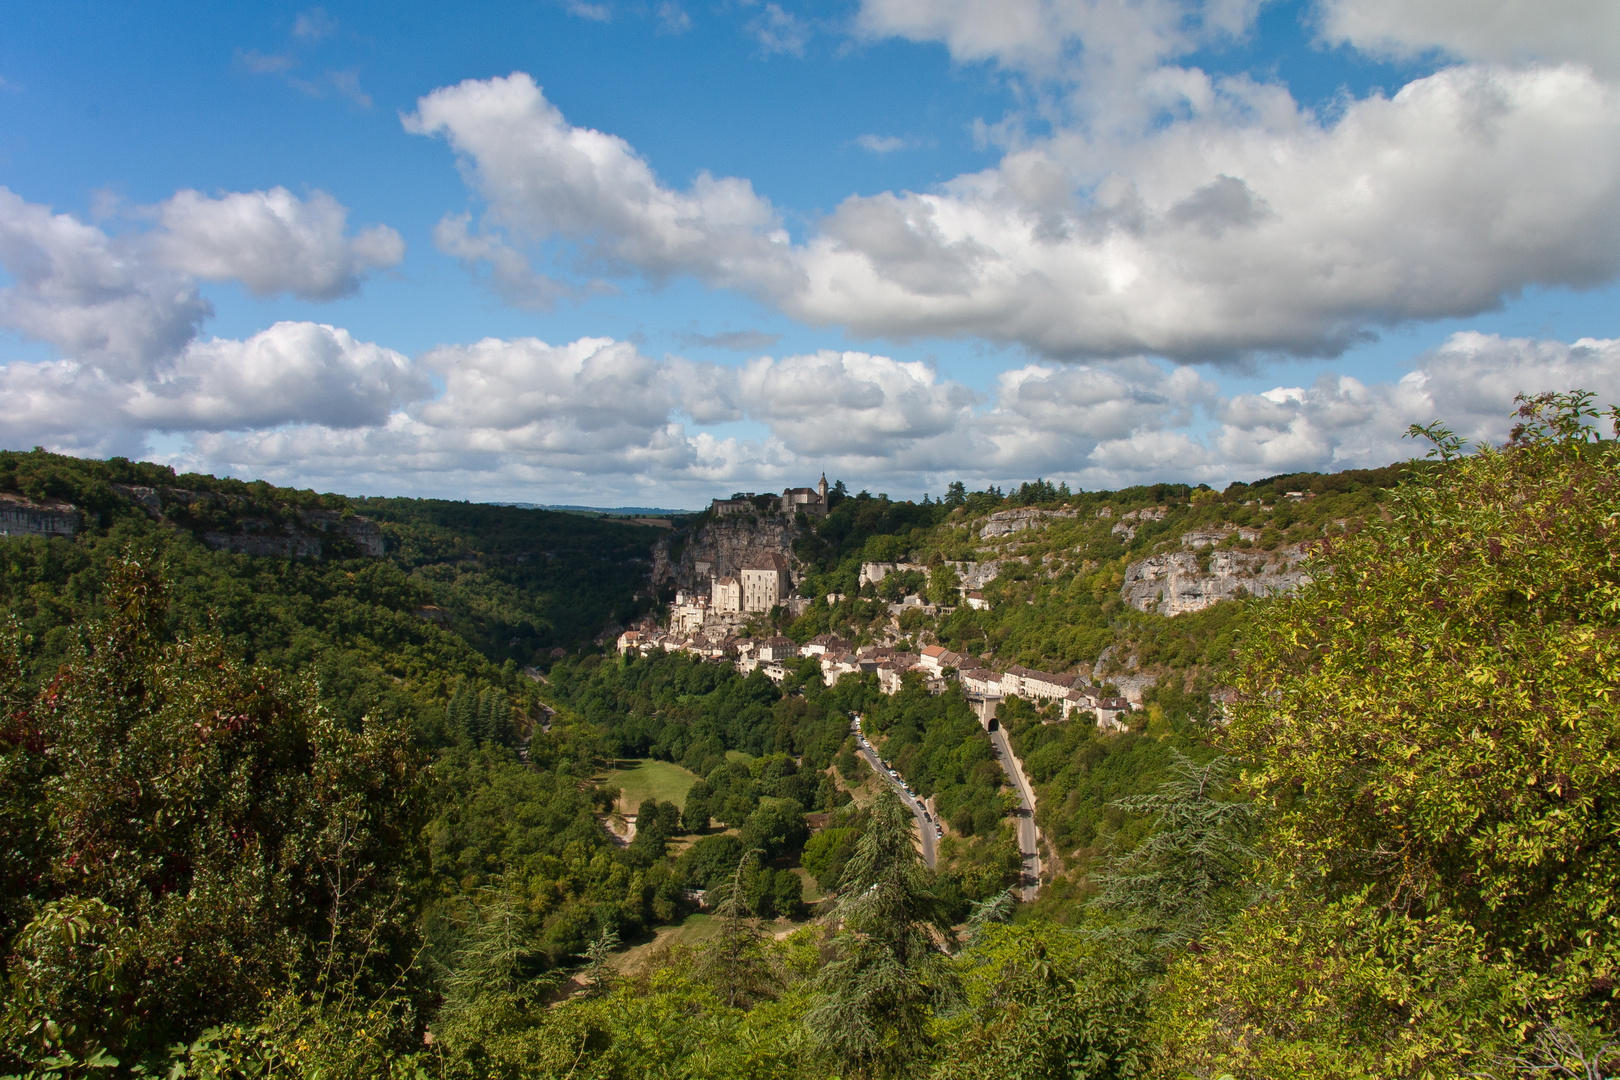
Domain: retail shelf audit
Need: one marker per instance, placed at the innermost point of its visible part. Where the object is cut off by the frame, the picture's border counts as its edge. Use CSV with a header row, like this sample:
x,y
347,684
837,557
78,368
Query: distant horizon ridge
x,y
626,511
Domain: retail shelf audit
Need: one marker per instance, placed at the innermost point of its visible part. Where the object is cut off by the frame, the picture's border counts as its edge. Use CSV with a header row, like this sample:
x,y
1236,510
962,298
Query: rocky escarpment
x,y
305,533
28,517
1197,576
1128,522
721,548
976,575
310,537
1005,522
969,575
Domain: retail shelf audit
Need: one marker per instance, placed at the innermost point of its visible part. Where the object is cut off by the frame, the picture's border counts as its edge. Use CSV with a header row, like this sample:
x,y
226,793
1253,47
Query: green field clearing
x,y
812,891
695,931
644,778
739,755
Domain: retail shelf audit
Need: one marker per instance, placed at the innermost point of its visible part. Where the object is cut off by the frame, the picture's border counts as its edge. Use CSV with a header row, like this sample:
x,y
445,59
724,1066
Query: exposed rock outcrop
x,y
1125,675
27,517
874,572
976,575
1004,522
310,536
969,575
1195,577
721,548
362,531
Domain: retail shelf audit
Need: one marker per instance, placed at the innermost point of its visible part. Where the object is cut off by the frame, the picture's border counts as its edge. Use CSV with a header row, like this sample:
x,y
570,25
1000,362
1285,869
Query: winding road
x,y
925,827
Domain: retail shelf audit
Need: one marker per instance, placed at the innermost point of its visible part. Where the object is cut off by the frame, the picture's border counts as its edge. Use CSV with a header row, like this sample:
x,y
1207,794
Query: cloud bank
x,y
1161,220
124,314
270,241
595,419
1244,226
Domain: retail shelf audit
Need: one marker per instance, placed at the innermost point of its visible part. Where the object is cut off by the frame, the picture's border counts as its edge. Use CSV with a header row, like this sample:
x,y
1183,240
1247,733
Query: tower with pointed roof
x,y
812,501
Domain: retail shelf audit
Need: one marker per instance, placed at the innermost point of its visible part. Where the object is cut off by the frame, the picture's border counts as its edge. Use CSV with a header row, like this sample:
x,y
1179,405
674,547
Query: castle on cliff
x,y
812,501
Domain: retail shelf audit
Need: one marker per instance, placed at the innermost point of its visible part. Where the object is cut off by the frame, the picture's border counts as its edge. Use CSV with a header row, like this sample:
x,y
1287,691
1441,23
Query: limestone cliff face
x,y
722,548
260,537
976,575
1004,522
1176,582
26,517
307,537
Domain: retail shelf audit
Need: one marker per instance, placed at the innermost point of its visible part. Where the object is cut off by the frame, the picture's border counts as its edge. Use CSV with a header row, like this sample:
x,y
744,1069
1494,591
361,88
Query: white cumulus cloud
x,y
271,241
541,177
1468,384
852,404
1514,31
595,420
124,314
1248,226
1106,44
293,372
94,299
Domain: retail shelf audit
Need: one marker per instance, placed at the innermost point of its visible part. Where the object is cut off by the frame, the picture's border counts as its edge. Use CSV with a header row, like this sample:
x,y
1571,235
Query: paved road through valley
x,y
925,827
1027,839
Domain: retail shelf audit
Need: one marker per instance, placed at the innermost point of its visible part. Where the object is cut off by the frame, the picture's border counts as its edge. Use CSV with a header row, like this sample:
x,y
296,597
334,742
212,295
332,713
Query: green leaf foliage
x,y
1434,720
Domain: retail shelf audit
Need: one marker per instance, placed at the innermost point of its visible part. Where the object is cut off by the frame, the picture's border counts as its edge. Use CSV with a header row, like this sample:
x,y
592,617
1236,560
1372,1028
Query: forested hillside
x,y
307,816
458,590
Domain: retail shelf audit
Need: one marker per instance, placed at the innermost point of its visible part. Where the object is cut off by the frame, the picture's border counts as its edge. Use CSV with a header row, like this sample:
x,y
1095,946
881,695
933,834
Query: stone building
x,y
728,507
725,598
765,582
688,613
812,501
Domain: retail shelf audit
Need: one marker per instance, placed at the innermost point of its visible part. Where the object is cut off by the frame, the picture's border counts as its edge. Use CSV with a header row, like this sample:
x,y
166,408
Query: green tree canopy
x,y
188,833
1435,719
876,998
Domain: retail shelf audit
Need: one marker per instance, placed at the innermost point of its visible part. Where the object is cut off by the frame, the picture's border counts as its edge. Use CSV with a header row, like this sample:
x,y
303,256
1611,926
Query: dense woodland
x,y
261,817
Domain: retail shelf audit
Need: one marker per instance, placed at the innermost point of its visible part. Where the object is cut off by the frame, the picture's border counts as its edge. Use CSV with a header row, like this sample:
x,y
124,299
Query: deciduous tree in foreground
x,y
1435,720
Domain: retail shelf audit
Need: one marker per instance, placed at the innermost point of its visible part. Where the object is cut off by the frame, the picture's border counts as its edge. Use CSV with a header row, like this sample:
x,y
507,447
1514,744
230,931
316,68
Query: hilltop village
x,y
738,579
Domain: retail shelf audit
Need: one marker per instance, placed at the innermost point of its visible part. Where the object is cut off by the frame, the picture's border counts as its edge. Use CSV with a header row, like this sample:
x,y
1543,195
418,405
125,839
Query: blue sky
x,y
1104,242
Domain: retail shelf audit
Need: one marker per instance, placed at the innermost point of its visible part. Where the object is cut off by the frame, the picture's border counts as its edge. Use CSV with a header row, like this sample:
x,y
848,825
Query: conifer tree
x,y
874,1000
485,725
598,973
463,712
736,964
490,957
1194,870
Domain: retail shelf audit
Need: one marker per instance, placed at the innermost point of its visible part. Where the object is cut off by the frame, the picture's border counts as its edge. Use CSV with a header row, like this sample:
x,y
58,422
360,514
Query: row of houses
x,y
839,658
1069,691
